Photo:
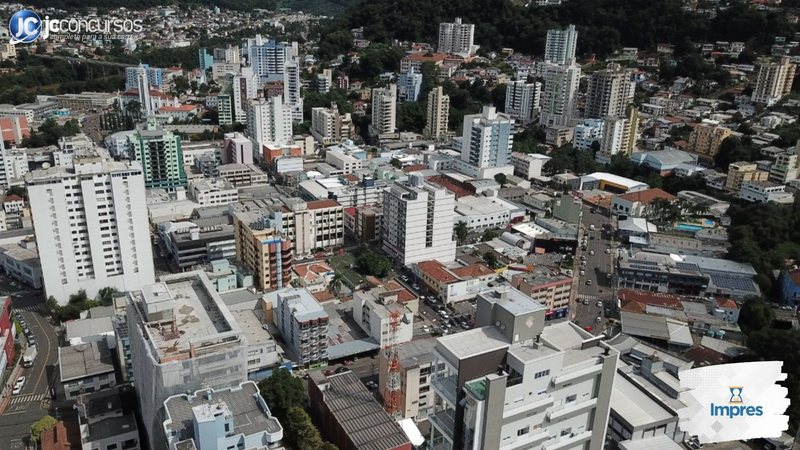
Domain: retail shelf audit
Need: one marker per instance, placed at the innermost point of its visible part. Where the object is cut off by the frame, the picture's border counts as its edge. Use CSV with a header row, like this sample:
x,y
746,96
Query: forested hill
x,y
603,25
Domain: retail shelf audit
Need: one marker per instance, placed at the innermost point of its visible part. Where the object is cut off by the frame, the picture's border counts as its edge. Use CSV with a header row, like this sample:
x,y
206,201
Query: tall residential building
x,y
206,60
155,76
229,54
384,110
774,81
291,89
741,172
610,92
438,114
329,126
143,87
245,89
560,45
268,57
619,135
408,86
269,122
487,138
786,167
418,222
522,99
416,372
324,81
225,109
514,383
457,38
182,338
91,227
263,249
237,149
706,138
560,93
303,324
161,156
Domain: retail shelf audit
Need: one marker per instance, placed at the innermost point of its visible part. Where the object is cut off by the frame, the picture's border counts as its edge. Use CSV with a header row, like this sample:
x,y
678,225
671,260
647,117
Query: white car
x,y
586,301
608,251
18,386
600,304
591,252
599,319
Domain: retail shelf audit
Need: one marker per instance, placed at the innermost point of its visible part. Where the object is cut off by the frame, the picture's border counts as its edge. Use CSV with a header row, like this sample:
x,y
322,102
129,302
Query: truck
x,y
30,356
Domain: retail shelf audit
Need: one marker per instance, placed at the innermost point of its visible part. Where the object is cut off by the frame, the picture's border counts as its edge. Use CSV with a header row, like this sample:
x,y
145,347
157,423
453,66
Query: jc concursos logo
x,y
25,26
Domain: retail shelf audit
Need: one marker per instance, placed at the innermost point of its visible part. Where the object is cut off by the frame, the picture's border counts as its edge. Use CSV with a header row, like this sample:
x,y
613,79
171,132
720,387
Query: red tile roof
x,y
350,211
727,303
703,356
319,204
323,296
472,271
437,271
63,436
403,294
637,301
13,198
420,56
414,168
179,108
647,196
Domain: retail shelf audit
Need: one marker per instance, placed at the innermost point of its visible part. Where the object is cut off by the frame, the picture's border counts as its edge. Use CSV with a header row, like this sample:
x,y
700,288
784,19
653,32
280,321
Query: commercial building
x,y
774,81
268,57
7,349
378,310
240,175
107,419
263,249
786,167
154,75
384,110
487,139
190,245
765,191
547,287
560,45
418,222
790,286
213,191
269,122
348,415
161,155
364,222
512,383
610,92
522,100
457,38
454,284
481,213
742,172
706,138
182,338
303,324
233,417
91,228
637,204
438,118
610,182
560,94
528,165
328,126
236,149
291,89
21,262
84,368
342,161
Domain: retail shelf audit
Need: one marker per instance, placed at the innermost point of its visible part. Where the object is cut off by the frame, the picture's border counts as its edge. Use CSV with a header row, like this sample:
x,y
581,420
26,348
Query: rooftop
x,y
305,307
474,342
84,360
647,196
88,327
354,408
512,300
250,413
637,408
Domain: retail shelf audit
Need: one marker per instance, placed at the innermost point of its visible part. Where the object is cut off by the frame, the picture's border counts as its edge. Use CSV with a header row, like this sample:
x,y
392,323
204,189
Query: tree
x,y
501,178
369,262
282,391
488,235
17,190
335,285
490,259
106,295
755,315
462,231
396,163
299,432
42,425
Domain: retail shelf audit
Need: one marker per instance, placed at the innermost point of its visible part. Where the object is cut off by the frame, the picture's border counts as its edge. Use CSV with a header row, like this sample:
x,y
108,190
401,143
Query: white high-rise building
x,y
417,222
269,122
324,81
143,86
245,88
409,85
522,99
267,57
438,113
774,81
291,88
384,110
329,126
610,92
560,46
560,93
513,383
457,38
487,138
91,227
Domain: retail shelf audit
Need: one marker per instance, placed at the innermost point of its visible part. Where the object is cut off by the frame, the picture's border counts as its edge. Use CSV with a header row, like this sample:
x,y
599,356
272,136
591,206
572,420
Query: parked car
x,y
600,304
591,252
586,301
415,287
18,386
608,251
588,282
404,278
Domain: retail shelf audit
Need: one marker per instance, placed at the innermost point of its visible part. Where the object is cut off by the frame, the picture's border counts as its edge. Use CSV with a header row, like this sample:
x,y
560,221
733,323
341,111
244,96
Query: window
x,y
111,447
566,431
571,398
541,374
227,427
523,431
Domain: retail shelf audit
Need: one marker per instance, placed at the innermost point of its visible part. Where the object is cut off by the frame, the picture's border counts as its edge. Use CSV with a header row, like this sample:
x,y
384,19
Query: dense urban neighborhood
x,y
375,224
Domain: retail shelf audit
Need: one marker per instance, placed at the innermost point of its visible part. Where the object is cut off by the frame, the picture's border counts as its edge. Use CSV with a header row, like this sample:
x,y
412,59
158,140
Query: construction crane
x,y
392,400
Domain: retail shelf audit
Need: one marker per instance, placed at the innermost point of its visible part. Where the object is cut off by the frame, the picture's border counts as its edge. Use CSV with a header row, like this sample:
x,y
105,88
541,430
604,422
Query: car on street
x,y
583,272
599,319
31,340
18,386
588,282
586,301
608,251
600,304
445,316
591,252
415,287
404,278
588,328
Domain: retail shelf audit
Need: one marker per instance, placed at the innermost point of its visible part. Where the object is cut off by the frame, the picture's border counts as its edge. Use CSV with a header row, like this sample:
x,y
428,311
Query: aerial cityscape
x,y
397,225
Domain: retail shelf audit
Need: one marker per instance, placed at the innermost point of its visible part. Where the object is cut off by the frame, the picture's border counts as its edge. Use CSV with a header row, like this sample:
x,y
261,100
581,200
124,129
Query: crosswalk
x,y
26,398
591,298
31,308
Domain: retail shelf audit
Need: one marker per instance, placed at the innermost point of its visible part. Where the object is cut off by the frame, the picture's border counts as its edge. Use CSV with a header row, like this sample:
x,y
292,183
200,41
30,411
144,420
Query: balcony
x,y
445,422
447,388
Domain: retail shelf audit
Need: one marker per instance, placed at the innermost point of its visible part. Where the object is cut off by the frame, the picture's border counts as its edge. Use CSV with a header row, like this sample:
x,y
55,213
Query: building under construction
x,y
183,338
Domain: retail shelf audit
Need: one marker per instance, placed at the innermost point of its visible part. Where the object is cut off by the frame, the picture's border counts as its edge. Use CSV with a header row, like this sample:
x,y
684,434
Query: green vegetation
x,y
370,262
396,163
462,232
501,178
17,190
733,150
282,391
569,158
300,433
755,315
78,303
49,133
488,235
42,425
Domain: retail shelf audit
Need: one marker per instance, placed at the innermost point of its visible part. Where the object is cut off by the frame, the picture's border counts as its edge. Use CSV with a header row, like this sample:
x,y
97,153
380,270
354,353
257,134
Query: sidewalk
x,y
5,396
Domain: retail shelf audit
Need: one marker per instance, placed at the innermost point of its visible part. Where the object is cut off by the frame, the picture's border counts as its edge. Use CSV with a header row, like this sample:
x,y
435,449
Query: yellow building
x,y
742,171
706,139
264,251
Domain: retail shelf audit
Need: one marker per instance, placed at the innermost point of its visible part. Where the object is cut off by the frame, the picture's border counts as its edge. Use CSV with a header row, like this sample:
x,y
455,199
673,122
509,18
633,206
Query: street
x,y
33,402
595,285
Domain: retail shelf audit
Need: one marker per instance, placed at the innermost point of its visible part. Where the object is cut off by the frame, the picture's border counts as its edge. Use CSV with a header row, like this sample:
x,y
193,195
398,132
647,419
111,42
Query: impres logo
x,y
735,406
25,26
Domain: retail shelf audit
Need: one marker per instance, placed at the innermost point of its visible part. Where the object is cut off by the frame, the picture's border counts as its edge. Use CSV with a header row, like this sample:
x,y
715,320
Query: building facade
x,y
160,153
438,117
774,81
457,38
522,100
384,110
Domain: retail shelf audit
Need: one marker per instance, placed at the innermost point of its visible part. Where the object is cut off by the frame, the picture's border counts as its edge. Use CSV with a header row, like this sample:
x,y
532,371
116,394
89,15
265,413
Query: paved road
x,y
32,403
595,286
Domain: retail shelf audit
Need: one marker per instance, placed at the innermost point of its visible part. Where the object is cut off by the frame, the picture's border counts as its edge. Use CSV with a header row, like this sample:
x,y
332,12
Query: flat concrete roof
x,y
637,408
84,360
474,342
